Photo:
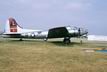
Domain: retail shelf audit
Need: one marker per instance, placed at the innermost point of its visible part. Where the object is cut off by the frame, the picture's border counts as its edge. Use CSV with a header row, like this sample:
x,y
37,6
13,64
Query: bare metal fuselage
x,y
59,32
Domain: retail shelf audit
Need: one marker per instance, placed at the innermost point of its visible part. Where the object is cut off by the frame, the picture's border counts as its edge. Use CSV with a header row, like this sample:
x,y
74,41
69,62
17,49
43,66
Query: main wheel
x,y
21,39
66,40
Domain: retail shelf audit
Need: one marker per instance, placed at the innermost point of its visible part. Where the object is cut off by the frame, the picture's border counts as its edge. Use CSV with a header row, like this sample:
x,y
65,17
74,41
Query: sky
x,y
45,14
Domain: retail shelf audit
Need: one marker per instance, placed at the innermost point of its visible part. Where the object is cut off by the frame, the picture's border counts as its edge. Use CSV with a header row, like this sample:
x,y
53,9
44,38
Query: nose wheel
x,y
66,40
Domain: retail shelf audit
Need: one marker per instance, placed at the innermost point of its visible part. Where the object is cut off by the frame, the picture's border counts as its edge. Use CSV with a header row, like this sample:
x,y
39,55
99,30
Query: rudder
x,y
12,26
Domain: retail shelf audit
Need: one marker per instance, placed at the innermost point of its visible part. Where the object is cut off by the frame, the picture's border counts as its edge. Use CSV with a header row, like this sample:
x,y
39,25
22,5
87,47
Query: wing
x,y
58,32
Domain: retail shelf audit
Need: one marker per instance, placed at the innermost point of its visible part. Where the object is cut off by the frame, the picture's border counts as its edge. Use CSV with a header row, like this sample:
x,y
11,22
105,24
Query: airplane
x,y
14,30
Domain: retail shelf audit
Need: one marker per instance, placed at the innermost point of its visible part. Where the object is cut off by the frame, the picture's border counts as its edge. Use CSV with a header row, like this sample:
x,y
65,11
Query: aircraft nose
x,y
82,31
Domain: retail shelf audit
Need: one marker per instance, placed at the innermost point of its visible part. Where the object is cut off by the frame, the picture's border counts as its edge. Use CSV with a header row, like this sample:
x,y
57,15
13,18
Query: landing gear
x,y
21,39
45,39
66,40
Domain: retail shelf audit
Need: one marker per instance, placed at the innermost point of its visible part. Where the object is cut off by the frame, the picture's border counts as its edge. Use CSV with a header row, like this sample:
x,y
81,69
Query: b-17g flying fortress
x,y
53,36
13,30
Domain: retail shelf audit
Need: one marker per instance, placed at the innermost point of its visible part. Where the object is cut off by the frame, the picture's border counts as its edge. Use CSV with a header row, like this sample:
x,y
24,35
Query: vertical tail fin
x,y
12,26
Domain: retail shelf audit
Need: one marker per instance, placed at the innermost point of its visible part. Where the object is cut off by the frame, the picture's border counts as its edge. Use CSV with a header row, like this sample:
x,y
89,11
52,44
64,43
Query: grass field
x,y
51,56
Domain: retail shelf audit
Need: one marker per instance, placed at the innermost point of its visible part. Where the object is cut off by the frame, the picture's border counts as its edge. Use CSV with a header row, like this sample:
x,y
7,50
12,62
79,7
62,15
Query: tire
x,y
66,40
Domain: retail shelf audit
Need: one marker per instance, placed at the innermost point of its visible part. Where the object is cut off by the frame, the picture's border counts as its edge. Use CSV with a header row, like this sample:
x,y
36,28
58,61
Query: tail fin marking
x,y
13,25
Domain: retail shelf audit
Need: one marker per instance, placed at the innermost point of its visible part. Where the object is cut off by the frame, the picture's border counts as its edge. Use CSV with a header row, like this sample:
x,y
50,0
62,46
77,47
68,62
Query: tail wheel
x,y
45,39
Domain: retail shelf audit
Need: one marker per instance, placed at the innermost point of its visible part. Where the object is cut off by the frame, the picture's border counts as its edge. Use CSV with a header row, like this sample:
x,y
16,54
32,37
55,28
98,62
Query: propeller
x,y
82,32
79,32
